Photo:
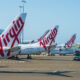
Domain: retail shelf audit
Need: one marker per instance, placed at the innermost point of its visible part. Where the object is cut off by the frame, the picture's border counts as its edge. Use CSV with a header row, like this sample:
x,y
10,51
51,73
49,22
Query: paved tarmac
x,y
40,68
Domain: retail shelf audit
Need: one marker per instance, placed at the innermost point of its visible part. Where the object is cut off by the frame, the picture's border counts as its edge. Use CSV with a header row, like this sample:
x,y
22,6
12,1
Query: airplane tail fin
x,y
43,35
71,41
39,39
12,34
49,39
1,30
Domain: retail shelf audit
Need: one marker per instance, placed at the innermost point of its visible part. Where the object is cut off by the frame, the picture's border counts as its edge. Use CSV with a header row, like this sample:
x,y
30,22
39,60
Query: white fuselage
x,y
62,50
30,48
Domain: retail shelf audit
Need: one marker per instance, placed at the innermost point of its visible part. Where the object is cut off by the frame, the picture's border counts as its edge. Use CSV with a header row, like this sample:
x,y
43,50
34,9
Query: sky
x,y
43,15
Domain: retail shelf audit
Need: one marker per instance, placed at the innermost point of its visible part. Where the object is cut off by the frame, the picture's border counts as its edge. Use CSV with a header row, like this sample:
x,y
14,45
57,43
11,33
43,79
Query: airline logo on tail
x,y
10,37
47,41
71,41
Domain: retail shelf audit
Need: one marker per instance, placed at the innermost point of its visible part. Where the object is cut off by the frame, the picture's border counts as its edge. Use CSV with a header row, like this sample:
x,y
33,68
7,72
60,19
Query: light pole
x,y
20,8
23,1
22,35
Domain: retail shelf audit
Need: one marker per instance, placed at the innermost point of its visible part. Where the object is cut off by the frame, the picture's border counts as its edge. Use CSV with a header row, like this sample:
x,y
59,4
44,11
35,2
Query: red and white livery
x,y
43,45
66,48
10,38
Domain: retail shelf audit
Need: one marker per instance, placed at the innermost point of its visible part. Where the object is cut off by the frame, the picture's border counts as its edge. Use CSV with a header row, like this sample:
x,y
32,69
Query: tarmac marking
x,y
55,71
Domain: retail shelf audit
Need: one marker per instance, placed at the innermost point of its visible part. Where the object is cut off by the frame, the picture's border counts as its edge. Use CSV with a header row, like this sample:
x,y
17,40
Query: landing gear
x,y
14,57
29,56
62,54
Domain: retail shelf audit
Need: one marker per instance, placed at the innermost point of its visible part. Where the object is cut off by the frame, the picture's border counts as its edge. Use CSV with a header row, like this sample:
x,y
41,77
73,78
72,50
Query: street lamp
x,y
23,1
22,7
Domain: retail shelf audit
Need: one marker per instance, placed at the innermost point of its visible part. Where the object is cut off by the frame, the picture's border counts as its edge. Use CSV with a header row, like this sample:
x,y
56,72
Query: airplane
x,y
11,36
44,44
31,42
66,48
